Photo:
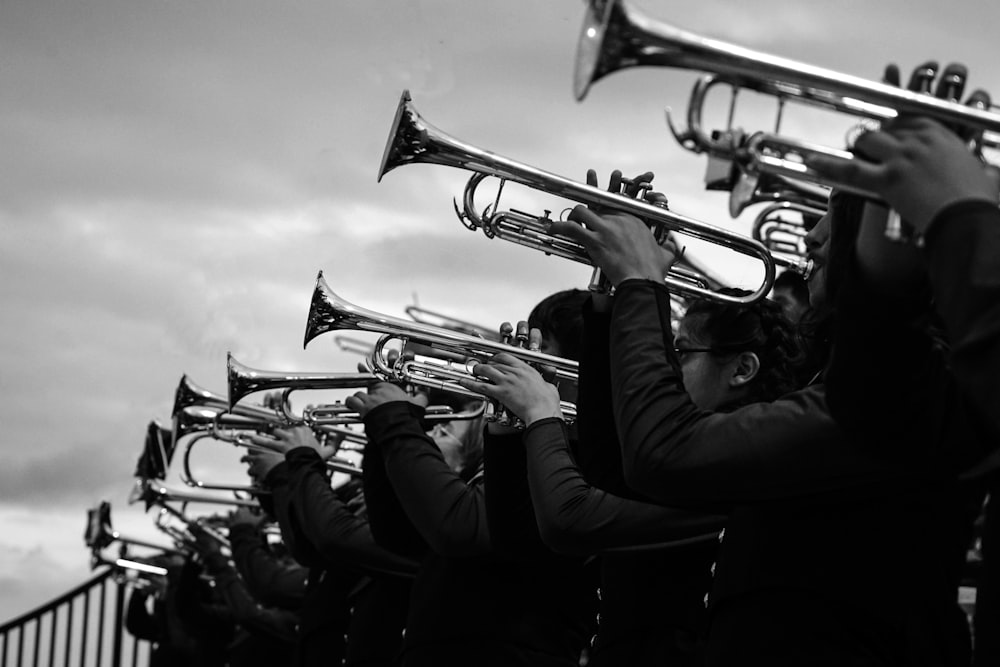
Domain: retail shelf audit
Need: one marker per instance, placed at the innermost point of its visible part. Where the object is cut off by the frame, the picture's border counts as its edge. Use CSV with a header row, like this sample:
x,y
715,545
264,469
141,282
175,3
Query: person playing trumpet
x,y
808,506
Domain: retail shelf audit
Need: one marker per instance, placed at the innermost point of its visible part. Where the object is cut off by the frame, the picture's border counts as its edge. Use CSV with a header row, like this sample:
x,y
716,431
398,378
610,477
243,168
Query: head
x,y
791,292
559,317
731,355
460,440
828,242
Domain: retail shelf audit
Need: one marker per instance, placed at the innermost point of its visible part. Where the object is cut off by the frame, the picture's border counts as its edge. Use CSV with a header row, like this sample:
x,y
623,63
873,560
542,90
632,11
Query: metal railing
x,y
82,627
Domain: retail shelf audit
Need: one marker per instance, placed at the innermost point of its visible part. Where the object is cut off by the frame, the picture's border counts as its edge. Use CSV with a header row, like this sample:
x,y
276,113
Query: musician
x,y
808,508
948,199
148,617
358,591
486,593
264,635
652,600
273,578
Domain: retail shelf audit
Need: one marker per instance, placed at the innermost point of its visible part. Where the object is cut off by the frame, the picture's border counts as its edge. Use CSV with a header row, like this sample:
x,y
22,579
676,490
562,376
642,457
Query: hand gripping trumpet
x,y
412,139
615,35
329,312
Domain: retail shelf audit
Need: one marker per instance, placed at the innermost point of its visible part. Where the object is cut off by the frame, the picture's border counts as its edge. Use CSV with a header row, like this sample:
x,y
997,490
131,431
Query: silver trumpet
x,y
424,316
99,533
412,139
781,227
615,35
212,424
330,312
151,493
244,380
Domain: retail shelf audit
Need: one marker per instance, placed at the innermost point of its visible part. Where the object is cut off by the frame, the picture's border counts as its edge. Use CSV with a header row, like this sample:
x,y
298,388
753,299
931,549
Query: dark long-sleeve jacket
x,y
272,580
471,603
963,253
357,588
812,511
246,610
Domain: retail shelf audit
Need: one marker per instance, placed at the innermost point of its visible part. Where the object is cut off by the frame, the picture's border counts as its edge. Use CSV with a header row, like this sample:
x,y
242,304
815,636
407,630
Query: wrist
x,y
538,414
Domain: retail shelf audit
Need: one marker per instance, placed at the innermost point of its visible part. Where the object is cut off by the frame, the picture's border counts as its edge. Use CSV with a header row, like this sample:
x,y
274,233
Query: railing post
x,y
116,659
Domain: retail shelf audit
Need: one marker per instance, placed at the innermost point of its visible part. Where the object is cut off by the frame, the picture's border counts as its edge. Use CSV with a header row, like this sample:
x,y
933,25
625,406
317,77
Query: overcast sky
x,y
174,174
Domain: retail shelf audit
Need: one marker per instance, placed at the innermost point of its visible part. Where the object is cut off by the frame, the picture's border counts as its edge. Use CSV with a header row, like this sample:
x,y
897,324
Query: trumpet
x,y
425,316
99,534
145,572
244,380
328,312
751,188
615,35
353,345
157,452
215,424
185,536
412,139
782,233
150,493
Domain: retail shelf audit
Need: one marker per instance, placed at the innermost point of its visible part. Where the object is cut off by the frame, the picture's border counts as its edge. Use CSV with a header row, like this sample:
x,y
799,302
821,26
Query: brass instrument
x,y
185,536
144,572
751,188
215,424
244,380
425,316
99,534
781,227
412,139
151,493
157,452
356,346
329,312
615,35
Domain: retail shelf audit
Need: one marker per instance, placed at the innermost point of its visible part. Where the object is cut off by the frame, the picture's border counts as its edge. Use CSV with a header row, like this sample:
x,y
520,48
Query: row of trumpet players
x,y
493,518
625,482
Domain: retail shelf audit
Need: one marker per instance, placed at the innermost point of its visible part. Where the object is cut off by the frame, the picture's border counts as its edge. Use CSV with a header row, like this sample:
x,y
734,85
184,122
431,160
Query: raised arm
x,y
448,512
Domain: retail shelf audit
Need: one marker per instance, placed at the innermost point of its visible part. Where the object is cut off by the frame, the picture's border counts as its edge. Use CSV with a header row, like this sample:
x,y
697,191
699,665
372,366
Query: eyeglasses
x,y
681,351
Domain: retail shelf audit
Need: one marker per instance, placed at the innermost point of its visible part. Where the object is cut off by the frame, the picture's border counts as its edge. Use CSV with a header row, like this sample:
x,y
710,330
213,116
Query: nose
x,y
818,235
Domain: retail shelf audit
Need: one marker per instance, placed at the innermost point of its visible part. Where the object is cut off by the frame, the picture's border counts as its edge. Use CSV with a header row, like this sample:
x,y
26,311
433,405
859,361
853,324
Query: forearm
x,y
270,580
329,525
579,519
448,513
248,612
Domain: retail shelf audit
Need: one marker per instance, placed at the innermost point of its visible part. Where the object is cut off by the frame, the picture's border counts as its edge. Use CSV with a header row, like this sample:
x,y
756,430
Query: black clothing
x,y
357,589
471,604
651,602
816,522
963,252
273,580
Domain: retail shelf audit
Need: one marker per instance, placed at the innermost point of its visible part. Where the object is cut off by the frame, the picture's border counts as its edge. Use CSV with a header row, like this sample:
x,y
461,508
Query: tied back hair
x,y
761,328
559,317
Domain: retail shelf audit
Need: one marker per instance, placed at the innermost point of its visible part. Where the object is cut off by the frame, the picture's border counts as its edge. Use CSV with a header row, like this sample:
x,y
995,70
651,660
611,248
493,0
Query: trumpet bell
x,y
244,380
157,452
615,36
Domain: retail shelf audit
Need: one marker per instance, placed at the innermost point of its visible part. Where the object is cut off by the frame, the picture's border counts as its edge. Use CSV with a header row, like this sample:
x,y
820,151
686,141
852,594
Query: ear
x,y
745,369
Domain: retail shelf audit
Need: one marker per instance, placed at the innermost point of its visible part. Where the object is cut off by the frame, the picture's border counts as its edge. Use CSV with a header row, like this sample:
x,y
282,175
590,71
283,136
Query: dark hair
x,y
795,283
761,328
559,316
